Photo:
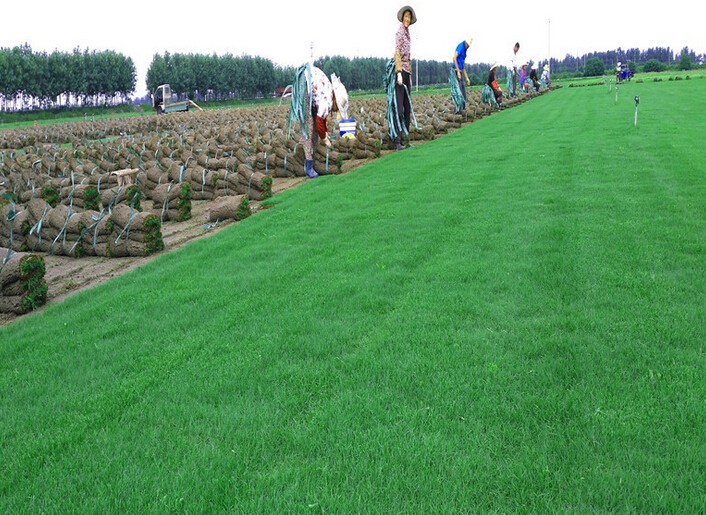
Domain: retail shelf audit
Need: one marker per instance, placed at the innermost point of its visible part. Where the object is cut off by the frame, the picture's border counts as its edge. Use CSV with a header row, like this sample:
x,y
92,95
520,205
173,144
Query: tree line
x,y
244,77
213,77
637,58
41,80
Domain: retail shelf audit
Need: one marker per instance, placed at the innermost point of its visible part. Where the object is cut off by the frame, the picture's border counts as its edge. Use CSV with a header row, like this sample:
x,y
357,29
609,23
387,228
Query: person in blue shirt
x,y
459,65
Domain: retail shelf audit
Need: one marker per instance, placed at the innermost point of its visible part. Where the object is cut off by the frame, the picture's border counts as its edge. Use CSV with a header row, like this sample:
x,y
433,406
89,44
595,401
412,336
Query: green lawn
x,y
506,319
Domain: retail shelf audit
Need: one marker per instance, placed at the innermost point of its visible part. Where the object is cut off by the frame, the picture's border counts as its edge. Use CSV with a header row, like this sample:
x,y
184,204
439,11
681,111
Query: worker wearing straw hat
x,y
533,77
493,83
459,64
403,70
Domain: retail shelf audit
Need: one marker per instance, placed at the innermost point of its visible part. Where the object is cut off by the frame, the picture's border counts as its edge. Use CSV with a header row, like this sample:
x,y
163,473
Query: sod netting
x,y
529,337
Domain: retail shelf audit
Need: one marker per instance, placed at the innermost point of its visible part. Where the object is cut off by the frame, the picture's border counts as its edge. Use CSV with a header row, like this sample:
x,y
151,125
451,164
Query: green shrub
x,y
685,62
653,65
594,67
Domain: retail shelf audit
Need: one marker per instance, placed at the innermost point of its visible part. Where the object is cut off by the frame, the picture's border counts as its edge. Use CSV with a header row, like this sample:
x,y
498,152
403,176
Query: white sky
x,y
284,31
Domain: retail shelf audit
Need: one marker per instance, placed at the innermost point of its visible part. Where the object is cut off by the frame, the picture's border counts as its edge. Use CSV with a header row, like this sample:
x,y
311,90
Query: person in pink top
x,y
403,69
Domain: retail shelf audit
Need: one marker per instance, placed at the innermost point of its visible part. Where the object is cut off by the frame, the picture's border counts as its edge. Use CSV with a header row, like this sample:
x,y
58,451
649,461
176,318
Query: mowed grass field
x,y
511,318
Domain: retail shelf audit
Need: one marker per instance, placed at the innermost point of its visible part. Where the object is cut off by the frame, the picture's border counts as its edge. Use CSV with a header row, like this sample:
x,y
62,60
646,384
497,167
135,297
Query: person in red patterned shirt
x,y
326,96
403,69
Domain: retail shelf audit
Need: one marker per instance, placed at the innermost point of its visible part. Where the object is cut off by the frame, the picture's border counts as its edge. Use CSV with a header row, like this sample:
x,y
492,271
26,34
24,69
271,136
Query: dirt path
x,y
67,276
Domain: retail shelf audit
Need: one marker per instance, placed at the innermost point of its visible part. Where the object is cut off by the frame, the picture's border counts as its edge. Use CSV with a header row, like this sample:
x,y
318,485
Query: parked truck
x,y
163,103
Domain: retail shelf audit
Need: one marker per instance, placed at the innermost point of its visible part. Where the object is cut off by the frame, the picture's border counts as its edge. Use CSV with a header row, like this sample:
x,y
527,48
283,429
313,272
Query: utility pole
x,y
549,35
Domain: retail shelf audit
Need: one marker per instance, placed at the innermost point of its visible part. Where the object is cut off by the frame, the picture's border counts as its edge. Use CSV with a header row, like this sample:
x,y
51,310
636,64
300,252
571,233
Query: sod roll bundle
x,y
236,207
14,226
22,284
203,182
84,232
96,230
28,194
134,233
256,185
57,222
223,187
284,159
53,230
84,196
121,194
40,235
154,176
172,201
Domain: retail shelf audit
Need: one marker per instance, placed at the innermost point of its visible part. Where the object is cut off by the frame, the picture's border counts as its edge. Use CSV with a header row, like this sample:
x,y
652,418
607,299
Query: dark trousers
x,y
404,107
462,85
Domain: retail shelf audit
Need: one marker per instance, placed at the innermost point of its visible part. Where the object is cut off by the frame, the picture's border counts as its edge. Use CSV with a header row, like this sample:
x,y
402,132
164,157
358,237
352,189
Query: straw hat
x,y
534,66
401,12
495,65
341,96
469,40
546,68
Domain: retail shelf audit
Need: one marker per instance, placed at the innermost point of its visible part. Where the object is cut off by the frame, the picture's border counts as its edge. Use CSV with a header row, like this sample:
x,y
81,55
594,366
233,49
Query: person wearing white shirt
x,y
513,69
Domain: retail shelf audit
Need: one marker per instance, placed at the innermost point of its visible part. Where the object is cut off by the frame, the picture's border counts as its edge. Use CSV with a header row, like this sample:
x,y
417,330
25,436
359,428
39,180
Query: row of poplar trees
x,y
47,80
41,80
215,77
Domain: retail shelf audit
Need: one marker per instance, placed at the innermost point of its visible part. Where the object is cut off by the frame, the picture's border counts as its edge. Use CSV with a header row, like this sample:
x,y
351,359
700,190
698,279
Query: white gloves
x,y
327,141
399,78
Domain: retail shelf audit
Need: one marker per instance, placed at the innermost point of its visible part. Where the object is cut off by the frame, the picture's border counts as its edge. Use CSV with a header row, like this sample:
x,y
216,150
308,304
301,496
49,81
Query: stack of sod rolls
x,y
14,226
22,284
172,201
57,222
82,196
235,207
134,233
59,230
40,236
121,194
256,185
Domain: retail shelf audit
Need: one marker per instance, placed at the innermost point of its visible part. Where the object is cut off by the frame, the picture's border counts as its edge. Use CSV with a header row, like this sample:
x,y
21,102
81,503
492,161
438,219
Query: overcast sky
x,y
284,32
